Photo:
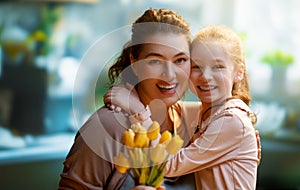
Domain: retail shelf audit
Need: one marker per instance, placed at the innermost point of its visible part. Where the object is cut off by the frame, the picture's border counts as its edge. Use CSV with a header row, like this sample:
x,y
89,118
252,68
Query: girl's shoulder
x,y
234,110
239,110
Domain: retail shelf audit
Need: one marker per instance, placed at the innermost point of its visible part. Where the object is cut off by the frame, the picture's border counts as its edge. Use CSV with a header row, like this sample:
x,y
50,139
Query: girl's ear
x,y
239,75
132,60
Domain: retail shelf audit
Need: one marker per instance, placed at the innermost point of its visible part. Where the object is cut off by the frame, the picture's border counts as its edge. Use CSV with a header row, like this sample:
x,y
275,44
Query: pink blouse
x,y
224,156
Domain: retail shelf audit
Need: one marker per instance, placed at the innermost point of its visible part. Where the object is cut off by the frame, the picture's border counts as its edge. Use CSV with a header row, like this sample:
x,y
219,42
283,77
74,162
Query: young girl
x,y
223,151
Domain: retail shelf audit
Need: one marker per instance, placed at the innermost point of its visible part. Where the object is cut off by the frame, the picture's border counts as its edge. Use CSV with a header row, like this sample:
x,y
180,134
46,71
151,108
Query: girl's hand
x,y
258,146
143,187
123,97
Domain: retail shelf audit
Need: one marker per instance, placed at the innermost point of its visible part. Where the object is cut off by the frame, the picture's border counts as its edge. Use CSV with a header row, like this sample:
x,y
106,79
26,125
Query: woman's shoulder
x,y
105,121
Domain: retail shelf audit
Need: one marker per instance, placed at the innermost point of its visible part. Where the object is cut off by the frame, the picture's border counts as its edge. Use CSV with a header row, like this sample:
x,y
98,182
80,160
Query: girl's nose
x,y
206,74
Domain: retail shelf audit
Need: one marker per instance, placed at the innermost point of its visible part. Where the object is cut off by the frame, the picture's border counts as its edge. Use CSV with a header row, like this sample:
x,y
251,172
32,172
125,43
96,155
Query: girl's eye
x,y
219,67
196,67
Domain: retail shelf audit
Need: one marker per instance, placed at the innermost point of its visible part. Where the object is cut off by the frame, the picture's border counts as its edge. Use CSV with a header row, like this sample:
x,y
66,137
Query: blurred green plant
x,y
1,31
244,35
50,16
277,58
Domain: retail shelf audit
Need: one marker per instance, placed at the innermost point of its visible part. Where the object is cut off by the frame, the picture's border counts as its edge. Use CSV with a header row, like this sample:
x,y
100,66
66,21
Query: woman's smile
x,y
166,88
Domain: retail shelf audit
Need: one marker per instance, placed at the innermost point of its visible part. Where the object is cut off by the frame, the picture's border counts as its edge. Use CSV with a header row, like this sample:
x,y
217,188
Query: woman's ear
x,y
132,61
239,75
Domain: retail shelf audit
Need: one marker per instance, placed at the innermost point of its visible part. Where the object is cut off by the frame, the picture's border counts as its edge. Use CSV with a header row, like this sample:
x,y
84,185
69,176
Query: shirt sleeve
x,y
89,163
214,146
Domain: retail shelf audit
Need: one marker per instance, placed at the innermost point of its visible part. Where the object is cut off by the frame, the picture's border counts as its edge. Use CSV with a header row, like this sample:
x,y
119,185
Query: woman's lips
x,y
167,88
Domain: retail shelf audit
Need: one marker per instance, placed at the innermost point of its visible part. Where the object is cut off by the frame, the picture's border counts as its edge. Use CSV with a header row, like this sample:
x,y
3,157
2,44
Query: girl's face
x,y
163,68
213,73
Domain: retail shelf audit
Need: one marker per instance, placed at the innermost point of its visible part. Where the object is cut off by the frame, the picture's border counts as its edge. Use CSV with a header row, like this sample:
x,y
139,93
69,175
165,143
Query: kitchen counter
x,y
45,147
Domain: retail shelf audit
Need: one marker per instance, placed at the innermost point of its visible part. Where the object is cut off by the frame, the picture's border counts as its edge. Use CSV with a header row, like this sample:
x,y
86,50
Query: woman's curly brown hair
x,y
151,22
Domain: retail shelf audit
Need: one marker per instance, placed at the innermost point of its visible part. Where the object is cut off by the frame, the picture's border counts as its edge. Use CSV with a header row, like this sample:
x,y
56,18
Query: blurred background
x,y
44,59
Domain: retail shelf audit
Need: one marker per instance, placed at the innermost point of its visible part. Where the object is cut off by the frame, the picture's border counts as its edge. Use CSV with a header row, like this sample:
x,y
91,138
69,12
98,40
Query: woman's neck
x,y
159,113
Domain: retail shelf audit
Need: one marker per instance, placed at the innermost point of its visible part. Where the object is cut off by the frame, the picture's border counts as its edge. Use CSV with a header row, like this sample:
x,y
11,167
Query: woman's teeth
x,y
166,86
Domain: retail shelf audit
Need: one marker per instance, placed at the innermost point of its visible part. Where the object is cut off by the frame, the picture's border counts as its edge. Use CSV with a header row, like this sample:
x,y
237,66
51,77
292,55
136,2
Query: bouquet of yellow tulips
x,y
144,161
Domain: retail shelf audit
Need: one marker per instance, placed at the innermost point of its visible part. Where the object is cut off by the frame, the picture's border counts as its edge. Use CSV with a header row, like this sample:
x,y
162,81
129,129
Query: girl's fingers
x,y
129,86
118,109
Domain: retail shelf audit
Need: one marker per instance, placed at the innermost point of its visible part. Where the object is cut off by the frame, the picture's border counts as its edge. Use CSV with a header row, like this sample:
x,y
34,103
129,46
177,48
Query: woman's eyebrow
x,y
153,54
181,53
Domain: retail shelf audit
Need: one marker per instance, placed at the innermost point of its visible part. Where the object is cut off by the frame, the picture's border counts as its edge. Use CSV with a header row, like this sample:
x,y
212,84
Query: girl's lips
x,y
207,88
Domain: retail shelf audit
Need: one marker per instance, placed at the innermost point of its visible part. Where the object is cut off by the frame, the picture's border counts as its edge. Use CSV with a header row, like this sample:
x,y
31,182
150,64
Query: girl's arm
x,y
220,143
129,101
125,97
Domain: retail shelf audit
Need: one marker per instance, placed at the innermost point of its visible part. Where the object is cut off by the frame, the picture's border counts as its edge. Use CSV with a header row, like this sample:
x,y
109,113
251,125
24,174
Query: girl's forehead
x,y
209,48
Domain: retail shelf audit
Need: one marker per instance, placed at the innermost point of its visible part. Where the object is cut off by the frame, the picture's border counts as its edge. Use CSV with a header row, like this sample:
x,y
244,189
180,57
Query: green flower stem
x,y
152,175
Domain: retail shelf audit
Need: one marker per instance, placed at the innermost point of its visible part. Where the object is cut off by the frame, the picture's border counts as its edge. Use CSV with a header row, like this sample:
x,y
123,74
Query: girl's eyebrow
x,y
196,60
218,60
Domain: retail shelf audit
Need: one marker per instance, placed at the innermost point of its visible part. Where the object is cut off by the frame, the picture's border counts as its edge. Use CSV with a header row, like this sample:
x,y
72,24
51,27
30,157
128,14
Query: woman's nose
x,y
168,70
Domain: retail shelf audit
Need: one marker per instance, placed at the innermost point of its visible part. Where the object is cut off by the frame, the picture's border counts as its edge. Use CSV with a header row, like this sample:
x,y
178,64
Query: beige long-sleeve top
x,y
89,163
224,156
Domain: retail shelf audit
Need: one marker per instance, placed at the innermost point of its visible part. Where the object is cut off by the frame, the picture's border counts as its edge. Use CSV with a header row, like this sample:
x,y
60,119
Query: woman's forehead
x,y
168,39
166,42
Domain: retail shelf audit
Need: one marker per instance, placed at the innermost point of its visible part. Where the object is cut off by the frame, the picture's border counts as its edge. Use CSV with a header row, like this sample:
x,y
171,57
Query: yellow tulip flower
x,y
165,138
174,145
136,127
128,138
157,154
153,131
140,138
121,163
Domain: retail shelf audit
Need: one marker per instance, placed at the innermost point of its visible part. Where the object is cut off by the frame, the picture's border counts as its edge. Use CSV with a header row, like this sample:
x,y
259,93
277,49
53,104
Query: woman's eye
x,y
155,61
180,61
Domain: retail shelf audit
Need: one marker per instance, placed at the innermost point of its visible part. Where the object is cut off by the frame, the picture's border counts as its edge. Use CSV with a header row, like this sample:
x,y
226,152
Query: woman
x,y
159,53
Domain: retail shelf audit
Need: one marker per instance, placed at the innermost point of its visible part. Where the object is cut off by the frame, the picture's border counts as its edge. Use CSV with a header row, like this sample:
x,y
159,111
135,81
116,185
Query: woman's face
x,y
212,73
163,68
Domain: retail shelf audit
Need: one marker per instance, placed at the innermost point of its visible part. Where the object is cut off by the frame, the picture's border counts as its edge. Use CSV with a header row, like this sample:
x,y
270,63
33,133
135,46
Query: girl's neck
x,y
210,108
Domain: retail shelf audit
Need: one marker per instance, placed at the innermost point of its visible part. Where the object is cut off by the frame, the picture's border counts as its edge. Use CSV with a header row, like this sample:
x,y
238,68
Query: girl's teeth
x,y
206,88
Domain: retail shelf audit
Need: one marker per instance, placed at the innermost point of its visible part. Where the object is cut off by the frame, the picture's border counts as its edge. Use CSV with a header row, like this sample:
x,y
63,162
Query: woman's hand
x,y
123,97
143,187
